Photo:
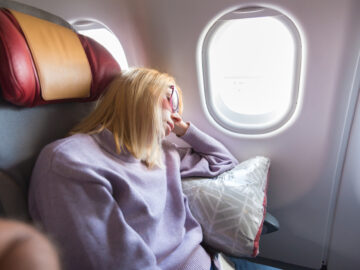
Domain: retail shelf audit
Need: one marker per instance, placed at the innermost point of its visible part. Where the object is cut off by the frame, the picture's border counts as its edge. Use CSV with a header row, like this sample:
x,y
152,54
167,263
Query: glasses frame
x,y
174,106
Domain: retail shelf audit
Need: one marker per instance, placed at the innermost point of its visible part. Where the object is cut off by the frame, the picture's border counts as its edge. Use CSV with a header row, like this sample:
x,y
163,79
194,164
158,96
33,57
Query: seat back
x,y
31,123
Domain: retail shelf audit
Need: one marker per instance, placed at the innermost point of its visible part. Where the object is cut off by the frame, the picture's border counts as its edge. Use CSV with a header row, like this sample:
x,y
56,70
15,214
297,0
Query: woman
x,y
111,193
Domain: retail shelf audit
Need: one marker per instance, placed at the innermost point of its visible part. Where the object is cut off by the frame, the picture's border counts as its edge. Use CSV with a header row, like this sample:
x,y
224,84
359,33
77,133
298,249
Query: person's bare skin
x,y
23,247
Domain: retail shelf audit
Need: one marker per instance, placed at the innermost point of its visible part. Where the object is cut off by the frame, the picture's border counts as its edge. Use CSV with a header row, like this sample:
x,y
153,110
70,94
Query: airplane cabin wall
x,y
343,250
307,155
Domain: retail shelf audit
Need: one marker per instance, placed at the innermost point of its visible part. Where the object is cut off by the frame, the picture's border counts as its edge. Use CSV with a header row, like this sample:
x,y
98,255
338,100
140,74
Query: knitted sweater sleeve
x,y
207,157
81,214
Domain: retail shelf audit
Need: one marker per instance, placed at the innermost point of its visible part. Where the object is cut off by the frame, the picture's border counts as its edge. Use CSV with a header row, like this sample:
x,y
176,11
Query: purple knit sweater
x,y
109,211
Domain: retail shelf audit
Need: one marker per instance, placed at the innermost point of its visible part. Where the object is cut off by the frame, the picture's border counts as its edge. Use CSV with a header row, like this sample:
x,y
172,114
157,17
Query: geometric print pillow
x,y
231,207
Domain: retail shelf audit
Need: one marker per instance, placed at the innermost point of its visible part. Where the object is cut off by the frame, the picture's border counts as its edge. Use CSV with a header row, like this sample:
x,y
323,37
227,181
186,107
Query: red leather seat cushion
x,y
18,77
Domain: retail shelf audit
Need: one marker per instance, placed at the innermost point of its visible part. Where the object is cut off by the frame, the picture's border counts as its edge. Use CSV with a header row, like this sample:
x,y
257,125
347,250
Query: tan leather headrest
x,y
61,63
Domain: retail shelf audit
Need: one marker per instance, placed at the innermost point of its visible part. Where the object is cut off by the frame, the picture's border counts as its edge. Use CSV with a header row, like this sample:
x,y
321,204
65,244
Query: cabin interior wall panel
x,y
305,155
343,250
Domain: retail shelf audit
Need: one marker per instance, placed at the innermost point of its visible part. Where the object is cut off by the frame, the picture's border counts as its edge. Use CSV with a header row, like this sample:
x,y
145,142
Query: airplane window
x,y
105,37
250,67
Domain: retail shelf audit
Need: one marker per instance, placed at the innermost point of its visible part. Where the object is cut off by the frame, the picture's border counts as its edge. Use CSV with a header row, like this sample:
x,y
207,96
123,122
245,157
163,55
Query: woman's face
x,y
168,111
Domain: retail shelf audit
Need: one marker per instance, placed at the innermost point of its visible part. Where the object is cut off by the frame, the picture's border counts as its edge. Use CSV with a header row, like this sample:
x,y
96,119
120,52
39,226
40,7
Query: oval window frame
x,y
243,123
85,24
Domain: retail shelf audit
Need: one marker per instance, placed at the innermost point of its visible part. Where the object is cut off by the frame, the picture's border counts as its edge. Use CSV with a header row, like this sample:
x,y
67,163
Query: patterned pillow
x,y
231,207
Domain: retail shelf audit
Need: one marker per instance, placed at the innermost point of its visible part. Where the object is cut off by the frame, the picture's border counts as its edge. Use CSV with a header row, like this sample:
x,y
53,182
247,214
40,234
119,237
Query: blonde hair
x,y
131,109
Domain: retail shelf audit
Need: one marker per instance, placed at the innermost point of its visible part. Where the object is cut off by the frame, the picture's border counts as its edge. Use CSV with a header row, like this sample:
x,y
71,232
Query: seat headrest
x,y
43,62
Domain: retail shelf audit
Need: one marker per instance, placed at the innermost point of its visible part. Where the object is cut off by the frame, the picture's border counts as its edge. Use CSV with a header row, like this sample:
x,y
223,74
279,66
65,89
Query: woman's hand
x,y
24,247
180,127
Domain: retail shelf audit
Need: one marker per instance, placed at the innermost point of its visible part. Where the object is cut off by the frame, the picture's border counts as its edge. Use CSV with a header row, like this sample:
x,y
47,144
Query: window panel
x,y
105,37
251,64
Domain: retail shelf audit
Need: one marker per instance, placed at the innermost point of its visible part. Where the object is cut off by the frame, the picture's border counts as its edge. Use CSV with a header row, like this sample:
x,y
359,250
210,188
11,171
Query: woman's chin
x,y
167,132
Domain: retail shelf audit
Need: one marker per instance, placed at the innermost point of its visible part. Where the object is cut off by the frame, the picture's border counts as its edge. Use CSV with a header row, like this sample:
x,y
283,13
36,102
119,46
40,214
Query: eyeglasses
x,y
174,99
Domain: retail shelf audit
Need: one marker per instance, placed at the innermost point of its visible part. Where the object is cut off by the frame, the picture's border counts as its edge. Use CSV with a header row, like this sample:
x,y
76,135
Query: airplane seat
x,y
50,77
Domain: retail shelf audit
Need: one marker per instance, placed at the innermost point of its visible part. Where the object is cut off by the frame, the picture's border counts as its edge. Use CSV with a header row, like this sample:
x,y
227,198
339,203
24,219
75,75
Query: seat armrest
x,y
271,224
